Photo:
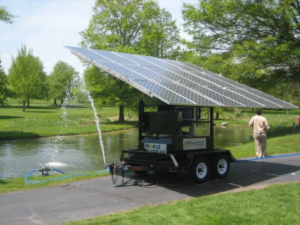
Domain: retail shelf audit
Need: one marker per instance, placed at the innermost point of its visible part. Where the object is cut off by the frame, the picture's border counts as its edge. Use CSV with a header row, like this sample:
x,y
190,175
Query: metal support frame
x,y
212,124
141,119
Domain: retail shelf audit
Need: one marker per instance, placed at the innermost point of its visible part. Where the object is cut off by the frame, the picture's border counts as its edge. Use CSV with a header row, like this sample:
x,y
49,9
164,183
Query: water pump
x,y
44,170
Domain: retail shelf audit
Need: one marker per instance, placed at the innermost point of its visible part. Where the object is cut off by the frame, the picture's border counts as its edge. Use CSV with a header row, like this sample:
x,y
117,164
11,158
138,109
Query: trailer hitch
x,y
116,170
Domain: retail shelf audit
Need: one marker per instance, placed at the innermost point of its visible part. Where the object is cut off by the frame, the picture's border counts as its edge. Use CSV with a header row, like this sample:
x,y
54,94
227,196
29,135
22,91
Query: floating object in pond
x,y
224,124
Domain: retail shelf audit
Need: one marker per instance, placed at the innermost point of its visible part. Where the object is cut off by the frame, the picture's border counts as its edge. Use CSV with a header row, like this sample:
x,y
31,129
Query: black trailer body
x,y
177,138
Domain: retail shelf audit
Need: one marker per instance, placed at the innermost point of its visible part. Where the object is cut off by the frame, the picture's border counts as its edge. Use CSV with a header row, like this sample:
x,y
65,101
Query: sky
x,y
46,26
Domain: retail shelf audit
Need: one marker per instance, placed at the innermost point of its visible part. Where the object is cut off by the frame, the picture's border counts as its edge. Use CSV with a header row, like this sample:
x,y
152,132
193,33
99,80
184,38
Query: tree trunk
x,y
28,103
24,103
217,115
55,101
121,114
61,101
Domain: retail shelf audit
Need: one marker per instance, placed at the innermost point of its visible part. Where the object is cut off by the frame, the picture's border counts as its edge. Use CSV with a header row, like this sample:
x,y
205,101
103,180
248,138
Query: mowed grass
x,y
277,204
44,119
277,145
47,120
19,184
276,118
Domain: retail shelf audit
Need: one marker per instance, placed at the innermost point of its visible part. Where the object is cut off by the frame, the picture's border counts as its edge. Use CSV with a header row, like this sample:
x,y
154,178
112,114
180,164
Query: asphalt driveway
x,y
91,198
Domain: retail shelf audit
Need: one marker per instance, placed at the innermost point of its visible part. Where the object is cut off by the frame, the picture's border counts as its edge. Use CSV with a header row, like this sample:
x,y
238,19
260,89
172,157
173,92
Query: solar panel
x,y
178,83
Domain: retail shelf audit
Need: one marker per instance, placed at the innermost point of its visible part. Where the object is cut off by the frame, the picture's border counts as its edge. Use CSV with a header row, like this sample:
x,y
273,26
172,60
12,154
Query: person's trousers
x,y
260,143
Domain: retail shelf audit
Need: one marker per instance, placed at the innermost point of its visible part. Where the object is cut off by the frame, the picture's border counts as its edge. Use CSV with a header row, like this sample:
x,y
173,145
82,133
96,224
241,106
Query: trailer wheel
x,y
200,170
220,166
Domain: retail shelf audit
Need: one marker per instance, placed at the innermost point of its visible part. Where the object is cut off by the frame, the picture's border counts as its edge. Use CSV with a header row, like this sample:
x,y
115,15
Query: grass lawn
x,y
281,123
277,204
47,120
44,119
275,146
19,184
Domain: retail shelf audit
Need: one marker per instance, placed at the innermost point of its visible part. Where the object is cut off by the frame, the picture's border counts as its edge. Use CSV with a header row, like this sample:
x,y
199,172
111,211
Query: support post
x,y
174,124
141,118
212,125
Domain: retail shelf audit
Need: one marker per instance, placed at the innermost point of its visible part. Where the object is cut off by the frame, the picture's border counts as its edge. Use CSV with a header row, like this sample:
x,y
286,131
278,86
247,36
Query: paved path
x,y
87,199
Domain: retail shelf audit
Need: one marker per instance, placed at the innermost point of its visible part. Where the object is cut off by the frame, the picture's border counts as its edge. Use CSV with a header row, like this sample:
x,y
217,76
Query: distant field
x,y
43,119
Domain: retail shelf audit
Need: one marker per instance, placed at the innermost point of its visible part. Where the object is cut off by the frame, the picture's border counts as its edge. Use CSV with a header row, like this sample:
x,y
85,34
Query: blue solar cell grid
x,y
179,83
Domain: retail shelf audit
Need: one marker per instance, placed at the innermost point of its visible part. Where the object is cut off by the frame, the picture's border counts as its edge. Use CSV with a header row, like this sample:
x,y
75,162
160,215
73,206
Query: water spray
x,y
97,125
97,121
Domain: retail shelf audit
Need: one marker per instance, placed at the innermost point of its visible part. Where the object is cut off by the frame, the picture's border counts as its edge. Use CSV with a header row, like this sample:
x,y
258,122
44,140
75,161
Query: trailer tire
x,y
220,166
200,170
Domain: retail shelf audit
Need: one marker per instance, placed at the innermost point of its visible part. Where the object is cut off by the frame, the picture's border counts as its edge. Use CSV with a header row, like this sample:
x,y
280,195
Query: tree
x,y
5,15
4,91
26,76
132,26
118,24
161,38
108,91
60,81
261,37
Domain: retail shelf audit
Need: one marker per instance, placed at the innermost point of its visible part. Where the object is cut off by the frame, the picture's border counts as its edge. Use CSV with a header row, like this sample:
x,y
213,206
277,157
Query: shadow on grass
x,y
29,111
132,123
3,181
266,111
10,117
11,135
74,106
44,107
31,107
280,131
280,111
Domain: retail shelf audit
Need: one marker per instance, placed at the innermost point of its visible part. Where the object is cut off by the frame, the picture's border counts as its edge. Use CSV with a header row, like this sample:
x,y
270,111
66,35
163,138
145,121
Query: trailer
x,y
177,138
177,133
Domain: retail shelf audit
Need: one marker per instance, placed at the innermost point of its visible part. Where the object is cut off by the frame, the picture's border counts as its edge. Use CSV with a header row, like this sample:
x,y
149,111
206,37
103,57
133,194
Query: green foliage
x,y
219,112
161,38
136,26
109,91
237,113
118,23
26,76
61,81
5,15
260,37
4,90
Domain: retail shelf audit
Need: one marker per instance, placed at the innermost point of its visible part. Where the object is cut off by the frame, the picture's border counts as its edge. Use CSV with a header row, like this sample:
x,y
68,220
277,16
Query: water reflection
x,y
82,153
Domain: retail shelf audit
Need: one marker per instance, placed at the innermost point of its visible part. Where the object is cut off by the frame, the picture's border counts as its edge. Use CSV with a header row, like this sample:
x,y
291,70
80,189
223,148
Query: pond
x,y
82,152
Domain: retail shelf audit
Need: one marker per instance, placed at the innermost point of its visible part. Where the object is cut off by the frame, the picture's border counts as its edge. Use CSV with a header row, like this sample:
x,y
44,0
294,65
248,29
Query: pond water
x,y
83,153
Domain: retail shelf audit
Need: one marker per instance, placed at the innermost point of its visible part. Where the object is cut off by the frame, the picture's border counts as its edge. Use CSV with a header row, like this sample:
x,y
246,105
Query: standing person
x,y
260,126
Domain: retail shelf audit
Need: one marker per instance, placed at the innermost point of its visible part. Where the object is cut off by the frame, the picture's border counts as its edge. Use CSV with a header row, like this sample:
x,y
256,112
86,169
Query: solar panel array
x,y
178,83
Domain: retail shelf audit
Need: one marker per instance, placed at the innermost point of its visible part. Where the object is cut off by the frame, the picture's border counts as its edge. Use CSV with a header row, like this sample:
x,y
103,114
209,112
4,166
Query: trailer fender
x,y
189,160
